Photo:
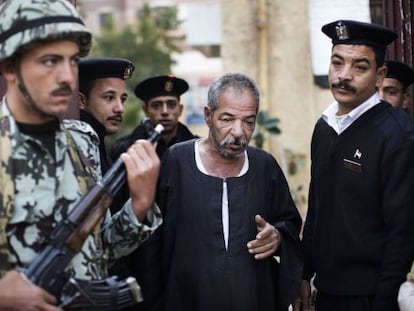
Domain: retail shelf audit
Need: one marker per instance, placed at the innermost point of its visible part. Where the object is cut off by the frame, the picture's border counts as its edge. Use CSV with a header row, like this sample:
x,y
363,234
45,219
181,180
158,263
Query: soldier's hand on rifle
x,y
18,293
142,165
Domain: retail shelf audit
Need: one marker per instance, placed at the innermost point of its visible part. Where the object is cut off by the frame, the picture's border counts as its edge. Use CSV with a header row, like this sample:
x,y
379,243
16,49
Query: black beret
x,y
400,71
160,86
99,68
355,32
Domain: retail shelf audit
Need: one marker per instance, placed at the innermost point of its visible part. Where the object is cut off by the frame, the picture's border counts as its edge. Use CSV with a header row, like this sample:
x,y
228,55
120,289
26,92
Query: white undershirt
x,y
340,123
224,202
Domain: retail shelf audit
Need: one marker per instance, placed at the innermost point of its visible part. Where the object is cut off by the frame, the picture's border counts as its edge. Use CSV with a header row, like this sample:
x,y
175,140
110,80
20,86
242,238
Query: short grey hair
x,y
235,81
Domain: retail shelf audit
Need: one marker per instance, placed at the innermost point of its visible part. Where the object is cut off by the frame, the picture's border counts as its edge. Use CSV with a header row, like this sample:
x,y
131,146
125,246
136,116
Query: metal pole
x,y
262,26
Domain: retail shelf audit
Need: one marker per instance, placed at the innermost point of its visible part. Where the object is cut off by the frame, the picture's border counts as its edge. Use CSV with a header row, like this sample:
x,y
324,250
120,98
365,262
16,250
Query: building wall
x,y
124,12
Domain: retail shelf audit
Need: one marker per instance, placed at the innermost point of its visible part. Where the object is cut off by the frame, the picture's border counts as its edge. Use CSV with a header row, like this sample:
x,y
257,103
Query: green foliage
x,y
148,44
265,123
294,160
166,17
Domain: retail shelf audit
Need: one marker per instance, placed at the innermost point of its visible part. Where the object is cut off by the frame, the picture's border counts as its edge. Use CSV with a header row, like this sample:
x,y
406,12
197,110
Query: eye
x,y
108,98
390,91
336,62
75,60
171,104
49,61
248,124
155,105
361,68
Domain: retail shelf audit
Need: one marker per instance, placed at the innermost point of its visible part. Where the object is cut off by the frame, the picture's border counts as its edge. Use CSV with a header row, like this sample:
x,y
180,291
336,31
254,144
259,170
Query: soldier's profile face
x,y
49,73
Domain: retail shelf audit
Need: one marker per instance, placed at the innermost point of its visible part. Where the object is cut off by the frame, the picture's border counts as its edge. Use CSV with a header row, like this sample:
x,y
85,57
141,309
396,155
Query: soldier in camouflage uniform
x,y
47,164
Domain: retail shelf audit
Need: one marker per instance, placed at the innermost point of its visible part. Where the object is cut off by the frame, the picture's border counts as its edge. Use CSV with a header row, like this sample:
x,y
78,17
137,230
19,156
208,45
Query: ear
x,y
381,73
82,101
7,71
145,108
208,115
406,100
180,109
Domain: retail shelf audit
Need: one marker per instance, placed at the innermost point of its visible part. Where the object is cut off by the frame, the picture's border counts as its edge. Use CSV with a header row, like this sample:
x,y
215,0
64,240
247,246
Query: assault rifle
x,y
48,269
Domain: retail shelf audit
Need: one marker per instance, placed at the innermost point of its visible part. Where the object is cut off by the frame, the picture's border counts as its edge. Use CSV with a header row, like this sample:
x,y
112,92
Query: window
x,y
376,11
106,21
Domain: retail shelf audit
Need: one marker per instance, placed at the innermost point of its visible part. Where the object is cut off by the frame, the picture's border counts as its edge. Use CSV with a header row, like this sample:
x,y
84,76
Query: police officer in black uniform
x,y
161,97
102,96
395,87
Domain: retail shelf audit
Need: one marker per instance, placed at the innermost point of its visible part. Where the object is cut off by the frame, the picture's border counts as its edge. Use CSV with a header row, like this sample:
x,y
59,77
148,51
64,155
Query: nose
x,y
119,107
68,73
345,73
237,128
164,108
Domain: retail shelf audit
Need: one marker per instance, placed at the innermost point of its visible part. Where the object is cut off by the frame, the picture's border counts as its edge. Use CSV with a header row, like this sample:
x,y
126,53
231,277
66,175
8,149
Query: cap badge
x,y
168,86
341,31
127,72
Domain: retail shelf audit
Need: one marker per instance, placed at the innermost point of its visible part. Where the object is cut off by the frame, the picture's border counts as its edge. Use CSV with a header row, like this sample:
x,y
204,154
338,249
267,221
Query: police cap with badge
x,y
400,71
355,32
91,69
163,85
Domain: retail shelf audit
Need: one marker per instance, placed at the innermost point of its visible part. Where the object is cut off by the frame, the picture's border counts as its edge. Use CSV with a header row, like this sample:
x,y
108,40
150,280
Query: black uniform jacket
x,y
359,234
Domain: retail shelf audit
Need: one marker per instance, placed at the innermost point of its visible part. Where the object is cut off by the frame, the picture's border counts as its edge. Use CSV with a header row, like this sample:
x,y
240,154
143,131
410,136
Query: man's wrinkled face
x,y
232,123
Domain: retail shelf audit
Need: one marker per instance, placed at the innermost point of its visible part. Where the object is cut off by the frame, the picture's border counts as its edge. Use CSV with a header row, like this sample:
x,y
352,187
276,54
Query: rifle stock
x,y
47,270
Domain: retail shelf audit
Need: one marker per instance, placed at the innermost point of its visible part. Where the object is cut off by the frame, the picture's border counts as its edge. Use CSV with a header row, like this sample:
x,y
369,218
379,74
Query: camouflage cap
x,y
26,21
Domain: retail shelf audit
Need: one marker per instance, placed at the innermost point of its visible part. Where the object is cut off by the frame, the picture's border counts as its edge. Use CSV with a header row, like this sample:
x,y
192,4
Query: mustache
x,y
63,90
117,117
235,141
344,85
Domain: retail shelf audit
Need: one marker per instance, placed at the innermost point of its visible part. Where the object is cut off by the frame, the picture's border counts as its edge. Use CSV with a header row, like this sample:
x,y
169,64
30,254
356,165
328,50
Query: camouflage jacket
x,y
38,191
